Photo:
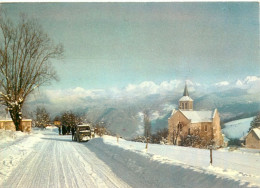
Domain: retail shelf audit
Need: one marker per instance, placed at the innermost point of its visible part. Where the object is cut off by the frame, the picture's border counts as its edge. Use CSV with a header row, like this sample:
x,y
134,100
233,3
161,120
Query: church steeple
x,y
185,93
186,103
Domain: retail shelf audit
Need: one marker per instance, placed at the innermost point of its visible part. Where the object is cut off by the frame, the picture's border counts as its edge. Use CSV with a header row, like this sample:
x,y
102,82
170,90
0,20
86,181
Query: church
x,y
188,127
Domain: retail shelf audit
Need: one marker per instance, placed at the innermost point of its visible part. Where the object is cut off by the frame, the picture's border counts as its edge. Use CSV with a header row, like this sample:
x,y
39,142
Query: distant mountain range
x,y
122,109
126,117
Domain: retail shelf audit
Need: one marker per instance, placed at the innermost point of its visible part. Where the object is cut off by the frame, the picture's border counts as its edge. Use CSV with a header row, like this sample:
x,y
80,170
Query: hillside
x,y
237,128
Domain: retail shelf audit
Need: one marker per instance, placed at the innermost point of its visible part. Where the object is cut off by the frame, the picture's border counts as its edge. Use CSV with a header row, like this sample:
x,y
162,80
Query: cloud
x,y
223,83
79,97
74,95
150,88
249,83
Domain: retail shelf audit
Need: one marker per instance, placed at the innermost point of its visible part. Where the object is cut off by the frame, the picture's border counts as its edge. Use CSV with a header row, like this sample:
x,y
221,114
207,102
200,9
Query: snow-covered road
x,y
56,161
45,159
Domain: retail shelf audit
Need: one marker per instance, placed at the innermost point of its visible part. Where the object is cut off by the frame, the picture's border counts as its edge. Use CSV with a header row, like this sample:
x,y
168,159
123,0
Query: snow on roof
x,y
185,98
173,112
85,125
198,116
257,132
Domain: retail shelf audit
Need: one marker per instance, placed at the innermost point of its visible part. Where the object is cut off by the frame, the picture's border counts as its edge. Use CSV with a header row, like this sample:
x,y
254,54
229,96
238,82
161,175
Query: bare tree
x,y
160,136
101,128
26,52
147,124
176,133
147,127
71,119
42,117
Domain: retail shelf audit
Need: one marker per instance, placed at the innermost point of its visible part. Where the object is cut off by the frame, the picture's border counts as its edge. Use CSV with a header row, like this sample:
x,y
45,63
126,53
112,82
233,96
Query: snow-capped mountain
x,y
120,108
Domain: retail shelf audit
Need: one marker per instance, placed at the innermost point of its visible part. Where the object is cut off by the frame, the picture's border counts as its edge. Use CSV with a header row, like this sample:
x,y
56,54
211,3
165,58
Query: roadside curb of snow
x,y
16,148
167,173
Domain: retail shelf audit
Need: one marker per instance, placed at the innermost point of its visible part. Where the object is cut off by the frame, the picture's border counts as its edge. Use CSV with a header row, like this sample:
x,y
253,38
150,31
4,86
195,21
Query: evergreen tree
x,y
256,122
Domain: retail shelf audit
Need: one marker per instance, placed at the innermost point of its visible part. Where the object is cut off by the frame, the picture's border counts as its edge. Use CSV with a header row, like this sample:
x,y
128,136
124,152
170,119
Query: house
x,y
252,140
57,123
8,124
188,127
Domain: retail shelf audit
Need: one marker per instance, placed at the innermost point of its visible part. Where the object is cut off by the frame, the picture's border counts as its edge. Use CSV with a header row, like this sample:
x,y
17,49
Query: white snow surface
x,y
257,132
185,98
198,116
45,159
237,129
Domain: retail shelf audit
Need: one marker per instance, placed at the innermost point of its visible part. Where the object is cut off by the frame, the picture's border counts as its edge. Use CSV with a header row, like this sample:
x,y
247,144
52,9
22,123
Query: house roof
x,y
257,132
199,116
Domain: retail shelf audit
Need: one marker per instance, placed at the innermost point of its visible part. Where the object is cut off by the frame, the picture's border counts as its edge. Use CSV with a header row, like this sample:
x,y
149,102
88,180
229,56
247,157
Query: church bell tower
x,y
186,103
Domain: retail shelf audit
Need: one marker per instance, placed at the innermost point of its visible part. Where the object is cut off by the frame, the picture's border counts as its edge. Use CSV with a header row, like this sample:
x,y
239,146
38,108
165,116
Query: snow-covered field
x,y
45,159
237,128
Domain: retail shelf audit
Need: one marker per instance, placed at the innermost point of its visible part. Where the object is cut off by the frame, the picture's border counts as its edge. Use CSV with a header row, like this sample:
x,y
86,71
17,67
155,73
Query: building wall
x,y
217,133
206,134
9,125
205,130
173,122
252,141
186,105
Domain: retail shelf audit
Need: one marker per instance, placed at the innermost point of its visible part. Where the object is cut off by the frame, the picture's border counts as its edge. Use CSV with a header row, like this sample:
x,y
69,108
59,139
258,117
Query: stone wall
x,y
9,125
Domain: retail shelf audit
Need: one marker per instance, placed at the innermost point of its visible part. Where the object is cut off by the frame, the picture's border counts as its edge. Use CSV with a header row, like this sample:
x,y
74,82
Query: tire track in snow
x,y
100,171
56,161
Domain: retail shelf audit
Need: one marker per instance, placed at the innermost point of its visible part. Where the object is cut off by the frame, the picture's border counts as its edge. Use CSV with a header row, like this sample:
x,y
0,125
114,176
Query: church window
x,y
189,131
186,105
180,127
205,128
182,105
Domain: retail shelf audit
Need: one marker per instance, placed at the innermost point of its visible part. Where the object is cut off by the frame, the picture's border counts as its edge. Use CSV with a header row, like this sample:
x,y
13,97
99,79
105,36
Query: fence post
x,y
147,139
210,149
117,138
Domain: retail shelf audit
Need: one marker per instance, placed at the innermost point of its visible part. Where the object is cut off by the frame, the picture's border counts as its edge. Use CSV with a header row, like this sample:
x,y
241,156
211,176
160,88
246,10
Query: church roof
x,y
198,116
186,96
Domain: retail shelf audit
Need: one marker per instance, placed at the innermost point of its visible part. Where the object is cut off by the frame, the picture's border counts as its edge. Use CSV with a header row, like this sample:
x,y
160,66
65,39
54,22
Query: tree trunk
x,y
16,116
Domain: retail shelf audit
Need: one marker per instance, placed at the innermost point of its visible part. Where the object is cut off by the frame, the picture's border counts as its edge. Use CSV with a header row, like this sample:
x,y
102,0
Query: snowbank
x,y
173,166
9,135
14,147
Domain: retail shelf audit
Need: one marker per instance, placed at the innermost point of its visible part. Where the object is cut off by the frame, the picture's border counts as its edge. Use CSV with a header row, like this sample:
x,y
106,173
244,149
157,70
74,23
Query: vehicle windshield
x,y
84,128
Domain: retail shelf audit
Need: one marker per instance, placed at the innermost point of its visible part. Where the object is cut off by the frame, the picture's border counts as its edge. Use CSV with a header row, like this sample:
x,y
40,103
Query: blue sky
x,y
115,44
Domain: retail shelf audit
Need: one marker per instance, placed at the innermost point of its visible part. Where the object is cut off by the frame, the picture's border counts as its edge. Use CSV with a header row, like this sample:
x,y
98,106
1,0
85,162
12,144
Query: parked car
x,y
82,133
